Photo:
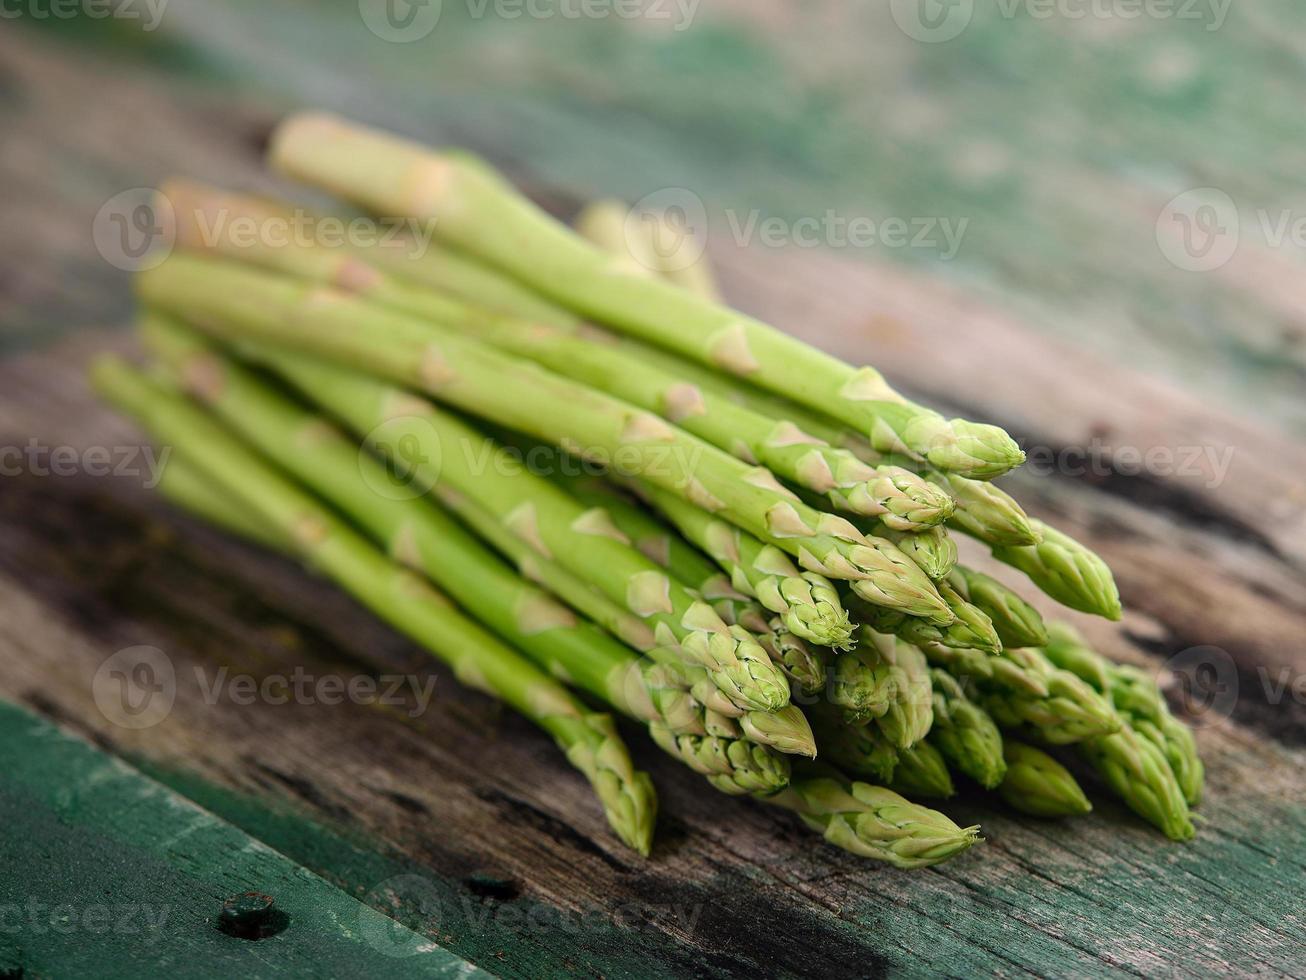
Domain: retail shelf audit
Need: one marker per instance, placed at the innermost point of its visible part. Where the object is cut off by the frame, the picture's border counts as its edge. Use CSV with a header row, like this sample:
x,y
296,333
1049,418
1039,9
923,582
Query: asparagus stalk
x,y
442,449
860,750
911,710
699,737
241,303
1037,784
1067,571
807,602
900,498
965,733
652,240
481,214
609,225
1139,773
478,659
872,821
1139,701
972,629
922,771
805,669
1015,621
932,549
1027,691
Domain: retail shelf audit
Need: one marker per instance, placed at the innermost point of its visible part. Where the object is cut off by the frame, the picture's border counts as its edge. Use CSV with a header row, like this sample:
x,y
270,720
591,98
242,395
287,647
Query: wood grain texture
x,y
1057,319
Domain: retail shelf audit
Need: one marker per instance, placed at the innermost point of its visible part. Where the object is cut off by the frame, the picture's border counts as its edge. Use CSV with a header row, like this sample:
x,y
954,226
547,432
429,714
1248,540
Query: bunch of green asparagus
x,y
735,540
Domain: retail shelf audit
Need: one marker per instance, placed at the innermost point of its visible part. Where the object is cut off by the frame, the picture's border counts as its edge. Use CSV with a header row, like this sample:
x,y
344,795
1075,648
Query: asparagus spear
x,y
911,709
922,771
243,303
860,750
1037,784
872,821
651,239
805,669
972,629
932,549
415,433
590,740
481,214
862,680
965,733
1026,691
1067,571
1139,701
807,603
699,737
1015,621
900,498
1138,772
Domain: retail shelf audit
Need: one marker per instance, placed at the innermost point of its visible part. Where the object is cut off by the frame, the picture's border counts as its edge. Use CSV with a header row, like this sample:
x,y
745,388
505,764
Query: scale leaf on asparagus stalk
x,y
397,595
482,214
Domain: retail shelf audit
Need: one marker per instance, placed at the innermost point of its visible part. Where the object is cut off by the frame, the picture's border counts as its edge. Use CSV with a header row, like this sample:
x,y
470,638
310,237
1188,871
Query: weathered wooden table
x,y
1065,315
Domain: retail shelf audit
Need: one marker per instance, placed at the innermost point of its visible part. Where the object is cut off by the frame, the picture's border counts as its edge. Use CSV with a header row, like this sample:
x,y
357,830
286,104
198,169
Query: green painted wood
x,y
107,873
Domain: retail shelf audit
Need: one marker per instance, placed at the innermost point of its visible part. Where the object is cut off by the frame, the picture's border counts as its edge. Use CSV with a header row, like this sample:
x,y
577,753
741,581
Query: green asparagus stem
x,y
1139,701
873,822
702,739
922,771
807,603
862,680
899,498
481,214
965,733
860,750
972,629
611,226
1067,571
242,303
398,596
1039,785
932,549
1025,690
1015,621
652,241
985,511
961,662
1138,772
442,450
911,710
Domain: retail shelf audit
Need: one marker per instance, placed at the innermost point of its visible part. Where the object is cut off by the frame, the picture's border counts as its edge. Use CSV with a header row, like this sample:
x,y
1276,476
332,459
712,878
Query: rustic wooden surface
x,y
1058,319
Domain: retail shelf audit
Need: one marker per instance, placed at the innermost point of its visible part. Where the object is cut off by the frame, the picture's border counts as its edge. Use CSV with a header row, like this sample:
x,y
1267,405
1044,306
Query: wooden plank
x,y
109,874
